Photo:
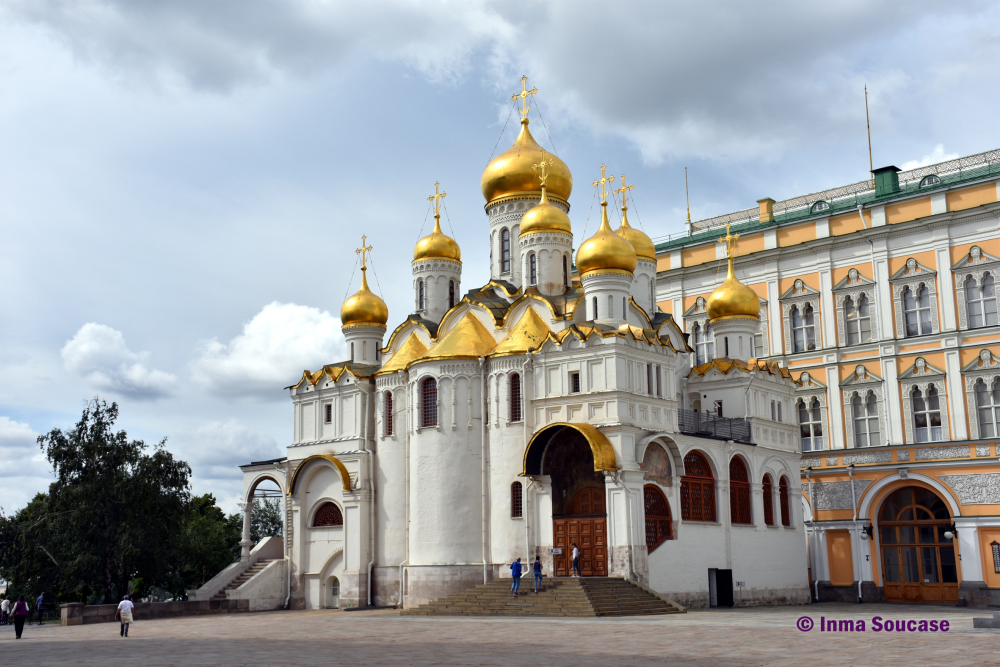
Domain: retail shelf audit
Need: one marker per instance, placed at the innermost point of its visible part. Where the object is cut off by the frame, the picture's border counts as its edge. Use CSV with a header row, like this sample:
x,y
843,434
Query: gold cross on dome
x,y
623,190
540,168
364,252
436,198
730,241
524,97
603,183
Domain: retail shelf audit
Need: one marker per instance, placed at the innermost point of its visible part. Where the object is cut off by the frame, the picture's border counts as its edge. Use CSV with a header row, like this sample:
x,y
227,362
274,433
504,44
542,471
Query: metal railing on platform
x,y
708,425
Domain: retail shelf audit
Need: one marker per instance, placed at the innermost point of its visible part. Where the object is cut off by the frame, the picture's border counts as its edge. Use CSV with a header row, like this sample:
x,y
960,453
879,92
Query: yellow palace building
x,y
880,299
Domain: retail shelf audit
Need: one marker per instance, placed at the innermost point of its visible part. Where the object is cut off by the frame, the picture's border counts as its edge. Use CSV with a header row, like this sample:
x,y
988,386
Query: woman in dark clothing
x,y
20,614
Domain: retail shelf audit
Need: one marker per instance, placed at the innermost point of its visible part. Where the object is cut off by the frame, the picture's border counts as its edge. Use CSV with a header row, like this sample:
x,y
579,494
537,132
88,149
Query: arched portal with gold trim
x,y
574,458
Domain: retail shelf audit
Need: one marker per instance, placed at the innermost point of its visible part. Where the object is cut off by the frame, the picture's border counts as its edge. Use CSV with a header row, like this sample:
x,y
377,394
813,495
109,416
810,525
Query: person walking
x,y
576,560
20,613
538,573
124,614
40,606
515,573
5,611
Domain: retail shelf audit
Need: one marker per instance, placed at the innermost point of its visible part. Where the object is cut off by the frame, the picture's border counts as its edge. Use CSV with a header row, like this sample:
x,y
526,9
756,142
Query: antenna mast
x,y
871,167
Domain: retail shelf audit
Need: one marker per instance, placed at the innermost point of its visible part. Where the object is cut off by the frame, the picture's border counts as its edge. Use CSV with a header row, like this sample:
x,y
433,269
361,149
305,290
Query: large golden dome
x,y
545,217
437,245
364,307
605,249
643,245
511,172
733,299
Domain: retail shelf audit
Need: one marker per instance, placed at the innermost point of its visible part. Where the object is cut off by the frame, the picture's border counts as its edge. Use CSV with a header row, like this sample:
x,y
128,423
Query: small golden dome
x,y
437,245
733,299
643,245
512,172
605,249
364,307
545,217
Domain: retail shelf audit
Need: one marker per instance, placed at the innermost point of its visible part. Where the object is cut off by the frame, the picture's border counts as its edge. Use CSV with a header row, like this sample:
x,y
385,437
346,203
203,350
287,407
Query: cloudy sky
x,y
183,183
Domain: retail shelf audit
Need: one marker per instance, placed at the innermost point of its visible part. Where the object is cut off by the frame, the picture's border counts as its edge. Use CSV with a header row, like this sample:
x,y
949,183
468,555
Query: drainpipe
x,y
284,538
812,550
367,401
854,508
485,407
406,431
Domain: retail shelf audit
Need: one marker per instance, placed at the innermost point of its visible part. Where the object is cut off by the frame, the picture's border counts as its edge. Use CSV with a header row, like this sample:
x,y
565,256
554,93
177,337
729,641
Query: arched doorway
x,y
918,562
332,593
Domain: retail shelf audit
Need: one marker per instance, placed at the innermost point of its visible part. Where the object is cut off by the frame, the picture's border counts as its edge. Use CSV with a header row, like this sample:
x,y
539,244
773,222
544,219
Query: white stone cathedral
x,y
553,405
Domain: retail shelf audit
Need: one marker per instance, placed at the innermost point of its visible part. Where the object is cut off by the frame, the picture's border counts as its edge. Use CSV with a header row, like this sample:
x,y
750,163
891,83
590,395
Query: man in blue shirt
x,y
40,605
538,573
515,573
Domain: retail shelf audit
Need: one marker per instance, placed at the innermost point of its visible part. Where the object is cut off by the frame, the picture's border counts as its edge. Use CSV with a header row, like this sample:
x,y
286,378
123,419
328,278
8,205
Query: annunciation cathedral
x,y
619,398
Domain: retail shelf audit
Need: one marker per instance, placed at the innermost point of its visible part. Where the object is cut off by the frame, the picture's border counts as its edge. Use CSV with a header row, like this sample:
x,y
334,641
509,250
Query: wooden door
x,y
591,537
840,557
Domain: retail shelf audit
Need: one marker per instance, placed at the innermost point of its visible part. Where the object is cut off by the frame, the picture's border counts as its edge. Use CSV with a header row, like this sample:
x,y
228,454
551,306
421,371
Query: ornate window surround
x,y
986,367
912,275
800,294
976,263
862,382
809,388
697,314
921,374
853,286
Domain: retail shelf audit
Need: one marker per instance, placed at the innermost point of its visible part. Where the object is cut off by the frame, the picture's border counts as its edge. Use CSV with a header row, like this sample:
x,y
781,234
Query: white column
x,y
967,542
946,289
893,399
829,309
245,543
956,395
834,408
774,322
880,274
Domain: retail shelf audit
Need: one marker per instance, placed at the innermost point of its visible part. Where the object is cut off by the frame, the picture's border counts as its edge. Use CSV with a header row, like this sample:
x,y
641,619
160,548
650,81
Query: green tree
x,y
265,519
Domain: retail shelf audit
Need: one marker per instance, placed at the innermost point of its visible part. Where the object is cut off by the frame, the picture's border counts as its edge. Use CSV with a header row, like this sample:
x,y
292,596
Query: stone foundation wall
x,y
77,613
423,584
870,593
751,597
386,586
976,594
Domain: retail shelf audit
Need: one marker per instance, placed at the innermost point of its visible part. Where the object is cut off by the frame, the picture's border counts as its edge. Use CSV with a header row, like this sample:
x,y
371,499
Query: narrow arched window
x,y
697,489
857,316
565,272
803,329
739,492
387,417
532,269
505,250
926,414
515,397
988,407
428,402
420,295
352,351
658,521
786,518
864,411
981,302
917,311
451,294
768,490
624,308
328,514
810,425
516,501
595,308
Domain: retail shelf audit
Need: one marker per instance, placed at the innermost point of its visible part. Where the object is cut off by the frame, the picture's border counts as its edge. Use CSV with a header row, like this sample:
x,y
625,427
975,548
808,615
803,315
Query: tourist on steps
x,y
20,614
515,573
538,573
576,560
124,612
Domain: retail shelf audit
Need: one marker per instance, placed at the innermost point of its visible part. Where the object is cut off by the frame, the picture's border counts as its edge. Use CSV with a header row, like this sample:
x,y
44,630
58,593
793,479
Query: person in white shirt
x,y
4,611
124,612
576,560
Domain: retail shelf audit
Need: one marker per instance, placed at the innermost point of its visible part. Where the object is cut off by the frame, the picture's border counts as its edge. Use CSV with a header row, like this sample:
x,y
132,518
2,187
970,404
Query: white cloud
x,y
99,354
281,341
23,468
937,155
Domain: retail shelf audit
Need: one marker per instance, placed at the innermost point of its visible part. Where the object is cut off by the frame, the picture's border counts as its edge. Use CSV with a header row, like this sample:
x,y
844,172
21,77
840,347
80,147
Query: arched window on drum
x,y
697,489
659,526
327,515
428,402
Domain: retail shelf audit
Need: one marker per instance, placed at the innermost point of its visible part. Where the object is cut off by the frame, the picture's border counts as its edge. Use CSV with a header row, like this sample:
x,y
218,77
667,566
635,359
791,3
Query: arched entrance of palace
x,y
574,457
918,562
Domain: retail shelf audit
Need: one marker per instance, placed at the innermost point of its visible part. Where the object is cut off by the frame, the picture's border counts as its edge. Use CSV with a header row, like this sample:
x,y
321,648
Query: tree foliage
x,y
265,519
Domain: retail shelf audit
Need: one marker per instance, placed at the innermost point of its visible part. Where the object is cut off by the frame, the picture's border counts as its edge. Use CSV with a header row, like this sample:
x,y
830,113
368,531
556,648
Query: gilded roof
x,y
546,217
725,365
640,241
468,339
437,245
529,333
410,350
511,172
605,250
334,373
364,306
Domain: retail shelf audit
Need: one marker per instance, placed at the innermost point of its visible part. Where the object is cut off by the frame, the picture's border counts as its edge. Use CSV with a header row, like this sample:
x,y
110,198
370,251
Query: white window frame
x,y
697,316
863,382
853,287
912,275
976,264
922,375
985,367
809,389
800,296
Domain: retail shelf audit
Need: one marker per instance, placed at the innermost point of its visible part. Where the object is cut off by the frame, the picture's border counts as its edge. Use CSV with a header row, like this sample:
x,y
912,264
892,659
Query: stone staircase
x,y
587,596
242,579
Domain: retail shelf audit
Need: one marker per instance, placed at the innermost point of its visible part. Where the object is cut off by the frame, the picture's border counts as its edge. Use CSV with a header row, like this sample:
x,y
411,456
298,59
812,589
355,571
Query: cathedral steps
x,y
242,579
586,596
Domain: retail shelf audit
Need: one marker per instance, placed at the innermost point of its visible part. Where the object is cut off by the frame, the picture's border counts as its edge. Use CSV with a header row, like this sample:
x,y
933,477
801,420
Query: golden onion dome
x,y
733,299
605,249
437,245
364,307
643,245
511,172
545,217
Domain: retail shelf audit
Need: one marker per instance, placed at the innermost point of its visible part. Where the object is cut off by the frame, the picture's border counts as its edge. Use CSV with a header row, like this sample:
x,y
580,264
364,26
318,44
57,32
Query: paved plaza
x,y
754,636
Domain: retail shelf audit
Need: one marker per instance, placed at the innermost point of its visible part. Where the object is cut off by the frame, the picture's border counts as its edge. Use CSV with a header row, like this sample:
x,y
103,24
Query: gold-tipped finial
x,y
687,197
541,169
436,198
603,183
364,251
525,106
730,241
623,191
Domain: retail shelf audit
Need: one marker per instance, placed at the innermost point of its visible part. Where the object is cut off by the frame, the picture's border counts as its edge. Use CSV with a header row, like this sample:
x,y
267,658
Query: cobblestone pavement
x,y
755,636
